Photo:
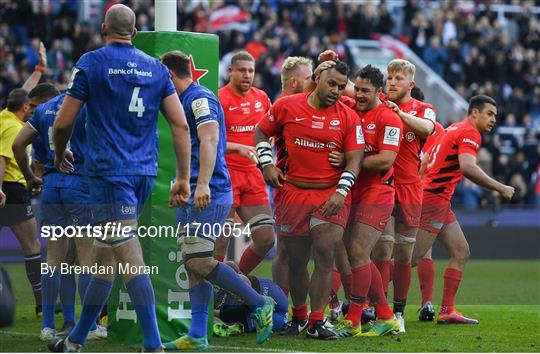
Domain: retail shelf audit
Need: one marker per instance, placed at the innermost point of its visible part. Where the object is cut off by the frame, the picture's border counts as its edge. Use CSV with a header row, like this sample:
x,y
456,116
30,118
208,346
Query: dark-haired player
x,y
372,204
313,206
452,156
209,205
244,107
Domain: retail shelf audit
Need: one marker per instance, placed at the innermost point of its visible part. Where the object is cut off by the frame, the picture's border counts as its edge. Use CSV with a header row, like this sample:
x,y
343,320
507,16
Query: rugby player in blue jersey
x,y
209,206
123,89
230,309
65,202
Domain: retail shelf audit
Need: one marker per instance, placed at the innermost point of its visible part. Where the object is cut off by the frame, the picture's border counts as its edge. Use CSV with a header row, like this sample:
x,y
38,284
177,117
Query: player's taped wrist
x,y
264,153
346,181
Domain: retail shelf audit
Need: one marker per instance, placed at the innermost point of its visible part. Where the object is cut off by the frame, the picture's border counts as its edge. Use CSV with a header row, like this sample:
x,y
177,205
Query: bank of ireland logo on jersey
x,y
131,64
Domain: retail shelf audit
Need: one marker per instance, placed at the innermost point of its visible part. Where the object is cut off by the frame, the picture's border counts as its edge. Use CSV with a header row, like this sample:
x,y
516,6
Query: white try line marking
x,y
20,334
244,349
253,349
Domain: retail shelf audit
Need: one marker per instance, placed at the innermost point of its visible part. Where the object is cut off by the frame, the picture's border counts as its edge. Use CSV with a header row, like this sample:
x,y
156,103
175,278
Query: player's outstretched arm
x,y
420,126
25,137
34,78
273,176
244,150
174,114
209,137
63,129
469,168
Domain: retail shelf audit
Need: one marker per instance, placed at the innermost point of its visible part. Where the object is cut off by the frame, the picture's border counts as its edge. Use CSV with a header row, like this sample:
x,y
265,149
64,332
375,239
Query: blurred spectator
x,y
435,56
475,48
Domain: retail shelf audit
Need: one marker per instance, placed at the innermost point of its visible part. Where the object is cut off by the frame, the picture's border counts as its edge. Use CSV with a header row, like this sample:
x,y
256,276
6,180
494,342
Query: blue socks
x,y
50,283
142,296
84,280
199,296
96,296
67,296
226,278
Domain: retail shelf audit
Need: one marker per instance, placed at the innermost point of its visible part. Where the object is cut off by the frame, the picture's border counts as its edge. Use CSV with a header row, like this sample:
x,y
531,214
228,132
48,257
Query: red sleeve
x,y
271,122
390,131
268,103
354,136
469,142
428,112
223,98
348,101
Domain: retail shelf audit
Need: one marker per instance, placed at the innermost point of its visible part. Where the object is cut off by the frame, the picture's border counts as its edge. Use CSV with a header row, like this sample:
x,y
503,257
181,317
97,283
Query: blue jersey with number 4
x,y
123,89
42,122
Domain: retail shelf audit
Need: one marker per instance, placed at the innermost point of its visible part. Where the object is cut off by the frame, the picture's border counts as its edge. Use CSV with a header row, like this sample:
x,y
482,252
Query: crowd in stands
x,y
473,48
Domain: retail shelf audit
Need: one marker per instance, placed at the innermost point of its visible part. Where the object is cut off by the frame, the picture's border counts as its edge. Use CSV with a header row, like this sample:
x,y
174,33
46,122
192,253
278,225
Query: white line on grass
x,y
254,349
20,333
248,349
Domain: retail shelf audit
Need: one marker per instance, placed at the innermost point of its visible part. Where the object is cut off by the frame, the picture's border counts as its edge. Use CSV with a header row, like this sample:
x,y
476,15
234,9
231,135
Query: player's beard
x,y
396,96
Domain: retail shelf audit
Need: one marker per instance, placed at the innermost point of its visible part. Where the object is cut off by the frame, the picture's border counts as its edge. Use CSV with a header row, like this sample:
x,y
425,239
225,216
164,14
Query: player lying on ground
x,y
231,310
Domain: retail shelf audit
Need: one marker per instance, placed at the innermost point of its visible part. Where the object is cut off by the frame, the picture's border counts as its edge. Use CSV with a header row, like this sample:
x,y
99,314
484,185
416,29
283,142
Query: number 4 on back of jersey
x,y
136,104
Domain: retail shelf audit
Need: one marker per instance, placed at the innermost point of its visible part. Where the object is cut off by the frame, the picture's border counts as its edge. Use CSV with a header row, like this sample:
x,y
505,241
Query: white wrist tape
x,y
346,182
264,153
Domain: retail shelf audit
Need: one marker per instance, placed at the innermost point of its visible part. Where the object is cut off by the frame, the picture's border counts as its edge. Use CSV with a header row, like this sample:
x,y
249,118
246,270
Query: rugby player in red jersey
x,y
452,156
418,123
373,197
426,266
295,78
313,206
244,106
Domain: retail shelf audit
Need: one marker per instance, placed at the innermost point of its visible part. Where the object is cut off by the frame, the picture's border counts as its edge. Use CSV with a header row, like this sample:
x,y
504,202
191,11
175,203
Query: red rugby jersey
x,y
311,134
382,131
407,164
242,114
433,137
443,173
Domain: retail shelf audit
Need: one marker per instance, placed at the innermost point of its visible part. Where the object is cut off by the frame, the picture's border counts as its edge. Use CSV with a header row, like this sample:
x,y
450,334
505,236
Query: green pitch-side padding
x,y
170,284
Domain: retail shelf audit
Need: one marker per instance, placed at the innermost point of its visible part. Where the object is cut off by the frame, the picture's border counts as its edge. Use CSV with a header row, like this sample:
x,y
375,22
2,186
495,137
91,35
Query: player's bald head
x,y
120,21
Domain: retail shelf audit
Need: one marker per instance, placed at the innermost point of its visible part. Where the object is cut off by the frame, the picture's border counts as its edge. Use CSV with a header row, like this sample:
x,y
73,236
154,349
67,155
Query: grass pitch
x,y
504,295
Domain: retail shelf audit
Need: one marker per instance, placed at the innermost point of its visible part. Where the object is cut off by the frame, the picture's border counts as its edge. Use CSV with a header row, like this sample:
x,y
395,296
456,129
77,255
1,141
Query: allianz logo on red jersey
x,y
314,144
242,128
